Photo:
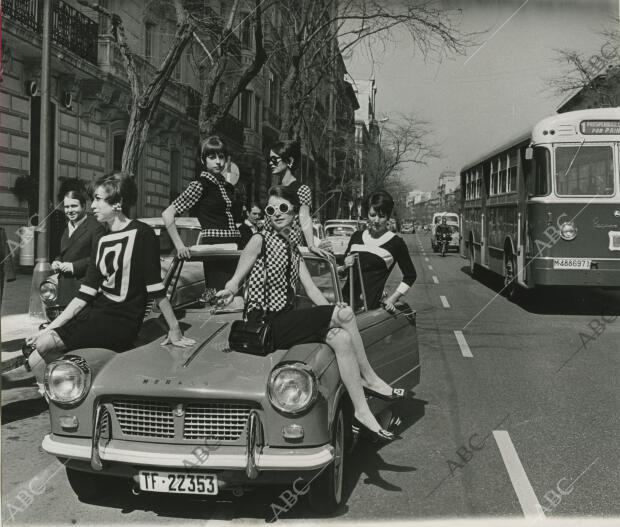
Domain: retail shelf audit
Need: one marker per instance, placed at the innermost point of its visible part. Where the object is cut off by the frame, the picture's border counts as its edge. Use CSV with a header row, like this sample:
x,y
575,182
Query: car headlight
x,y
67,380
568,231
48,291
292,388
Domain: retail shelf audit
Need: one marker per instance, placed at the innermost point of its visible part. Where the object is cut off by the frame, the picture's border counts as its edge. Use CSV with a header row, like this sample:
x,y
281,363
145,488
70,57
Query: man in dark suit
x,y
251,225
76,245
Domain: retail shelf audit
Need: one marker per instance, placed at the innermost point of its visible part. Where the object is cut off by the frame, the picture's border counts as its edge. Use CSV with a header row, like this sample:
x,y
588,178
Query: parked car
x,y
407,227
339,234
205,420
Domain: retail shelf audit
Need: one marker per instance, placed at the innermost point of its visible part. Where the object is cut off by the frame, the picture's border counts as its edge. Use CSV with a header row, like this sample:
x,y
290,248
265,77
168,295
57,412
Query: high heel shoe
x,y
396,395
381,434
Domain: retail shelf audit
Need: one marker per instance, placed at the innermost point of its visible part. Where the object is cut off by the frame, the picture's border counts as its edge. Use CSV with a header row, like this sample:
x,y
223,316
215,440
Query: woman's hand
x,y
33,340
389,307
224,297
348,261
66,267
176,338
183,252
319,252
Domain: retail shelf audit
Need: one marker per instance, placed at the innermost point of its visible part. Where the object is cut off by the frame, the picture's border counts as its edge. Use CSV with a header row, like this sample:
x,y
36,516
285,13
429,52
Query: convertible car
x,y
205,420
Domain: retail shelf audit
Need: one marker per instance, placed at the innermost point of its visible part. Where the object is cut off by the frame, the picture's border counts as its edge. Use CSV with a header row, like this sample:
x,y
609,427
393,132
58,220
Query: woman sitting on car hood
x,y
271,251
123,273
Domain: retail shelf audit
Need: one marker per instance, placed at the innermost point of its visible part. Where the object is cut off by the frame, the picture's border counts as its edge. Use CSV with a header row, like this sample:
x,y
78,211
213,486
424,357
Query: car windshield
x,y
339,230
584,170
449,217
187,282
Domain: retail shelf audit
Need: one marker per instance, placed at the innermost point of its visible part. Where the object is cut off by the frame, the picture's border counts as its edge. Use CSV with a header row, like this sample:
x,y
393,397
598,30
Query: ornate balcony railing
x,y
70,28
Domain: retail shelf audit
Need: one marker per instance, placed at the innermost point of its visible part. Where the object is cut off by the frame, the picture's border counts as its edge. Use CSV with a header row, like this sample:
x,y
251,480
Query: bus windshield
x,y
584,170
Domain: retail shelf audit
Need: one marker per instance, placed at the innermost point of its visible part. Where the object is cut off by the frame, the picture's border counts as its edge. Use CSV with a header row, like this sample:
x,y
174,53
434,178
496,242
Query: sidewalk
x,y
15,323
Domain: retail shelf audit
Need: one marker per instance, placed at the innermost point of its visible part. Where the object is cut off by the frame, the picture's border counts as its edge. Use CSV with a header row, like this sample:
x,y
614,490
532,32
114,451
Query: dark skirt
x,y
94,328
301,326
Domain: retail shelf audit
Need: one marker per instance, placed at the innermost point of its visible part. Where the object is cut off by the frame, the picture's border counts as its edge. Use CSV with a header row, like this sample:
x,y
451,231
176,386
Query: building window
x,y
512,171
247,31
494,177
246,108
257,113
502,175
274,92
148,41
117,152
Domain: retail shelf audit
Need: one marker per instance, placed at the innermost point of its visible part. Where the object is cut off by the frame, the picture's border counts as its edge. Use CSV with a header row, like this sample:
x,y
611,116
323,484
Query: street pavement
x,y
515,418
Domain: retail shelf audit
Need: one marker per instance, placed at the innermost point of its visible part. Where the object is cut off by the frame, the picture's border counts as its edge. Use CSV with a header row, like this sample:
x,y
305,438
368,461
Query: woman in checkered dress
x,y
284,158
273,252
210,198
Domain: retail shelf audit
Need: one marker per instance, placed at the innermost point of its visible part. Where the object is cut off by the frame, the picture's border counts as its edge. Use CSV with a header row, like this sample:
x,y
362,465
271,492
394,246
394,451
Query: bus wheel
x,y
472,260
511,285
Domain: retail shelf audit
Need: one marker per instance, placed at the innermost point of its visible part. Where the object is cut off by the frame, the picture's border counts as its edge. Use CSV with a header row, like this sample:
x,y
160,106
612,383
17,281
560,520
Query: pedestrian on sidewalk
x,y
76,245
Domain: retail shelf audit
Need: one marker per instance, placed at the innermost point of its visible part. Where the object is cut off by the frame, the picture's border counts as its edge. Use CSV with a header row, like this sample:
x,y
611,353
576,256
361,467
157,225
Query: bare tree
x,y
145,95
595,79
403,143
310,28
218,45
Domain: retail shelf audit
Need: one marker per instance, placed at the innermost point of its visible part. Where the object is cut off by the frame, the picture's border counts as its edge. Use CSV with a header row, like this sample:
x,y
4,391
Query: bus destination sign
x,y
600,127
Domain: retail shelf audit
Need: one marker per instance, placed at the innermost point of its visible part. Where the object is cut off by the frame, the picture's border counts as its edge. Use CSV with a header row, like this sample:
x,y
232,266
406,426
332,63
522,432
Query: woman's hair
x,y
287,193
211,145
288,150
381,201
120,188
76,194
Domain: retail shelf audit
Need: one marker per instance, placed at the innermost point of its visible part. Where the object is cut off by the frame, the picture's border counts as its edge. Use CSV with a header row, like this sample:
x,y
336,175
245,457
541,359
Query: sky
x,y
494,92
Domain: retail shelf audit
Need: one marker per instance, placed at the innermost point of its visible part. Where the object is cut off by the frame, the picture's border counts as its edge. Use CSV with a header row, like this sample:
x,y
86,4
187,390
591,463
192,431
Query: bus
x,y
544,209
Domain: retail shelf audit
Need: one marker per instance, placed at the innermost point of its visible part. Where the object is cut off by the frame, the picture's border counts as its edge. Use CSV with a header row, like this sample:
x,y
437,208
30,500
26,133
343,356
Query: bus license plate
x,y
572,263
178,482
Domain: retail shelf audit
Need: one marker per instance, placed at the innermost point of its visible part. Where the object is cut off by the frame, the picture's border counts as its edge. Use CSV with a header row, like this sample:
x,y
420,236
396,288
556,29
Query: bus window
x,y
541,167
584,170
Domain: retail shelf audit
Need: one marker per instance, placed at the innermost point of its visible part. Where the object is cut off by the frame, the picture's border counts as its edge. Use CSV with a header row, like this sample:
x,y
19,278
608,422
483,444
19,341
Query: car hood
x,y
206,368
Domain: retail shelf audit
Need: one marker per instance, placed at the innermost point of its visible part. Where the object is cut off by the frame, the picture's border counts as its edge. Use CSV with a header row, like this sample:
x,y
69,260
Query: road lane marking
x,y
435,279
430,267
460,338
426,259
525,493
444,301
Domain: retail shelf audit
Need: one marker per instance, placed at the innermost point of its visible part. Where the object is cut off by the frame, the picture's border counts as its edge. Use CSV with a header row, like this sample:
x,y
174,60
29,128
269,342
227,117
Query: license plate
x,y
178,482
572,263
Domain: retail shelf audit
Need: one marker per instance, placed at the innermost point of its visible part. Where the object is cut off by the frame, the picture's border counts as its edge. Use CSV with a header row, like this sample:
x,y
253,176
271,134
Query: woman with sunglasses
x,y
210,198
283,160
272,258
379,250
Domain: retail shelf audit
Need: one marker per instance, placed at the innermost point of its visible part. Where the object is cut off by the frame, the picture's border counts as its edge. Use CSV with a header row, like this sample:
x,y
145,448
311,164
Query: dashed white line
x,y
430,267
435,279
525,493
444,301
426,259
460,338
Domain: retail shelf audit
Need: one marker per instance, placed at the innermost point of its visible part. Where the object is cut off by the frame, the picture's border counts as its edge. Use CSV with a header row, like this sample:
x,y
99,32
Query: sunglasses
x,y
274,160
284,208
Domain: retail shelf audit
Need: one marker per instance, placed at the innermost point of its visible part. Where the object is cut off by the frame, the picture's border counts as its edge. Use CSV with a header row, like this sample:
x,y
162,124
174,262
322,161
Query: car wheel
x,y
90,487
325,495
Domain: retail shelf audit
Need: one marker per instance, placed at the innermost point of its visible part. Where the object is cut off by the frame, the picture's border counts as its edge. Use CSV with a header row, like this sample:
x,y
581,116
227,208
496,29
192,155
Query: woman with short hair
x,y
275,266
379,250
123,274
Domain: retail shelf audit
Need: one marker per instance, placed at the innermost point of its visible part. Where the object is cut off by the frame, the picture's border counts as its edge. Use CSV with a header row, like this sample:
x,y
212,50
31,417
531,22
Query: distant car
x,y
455,241
206,419
339,235
451,218
407,227
357,224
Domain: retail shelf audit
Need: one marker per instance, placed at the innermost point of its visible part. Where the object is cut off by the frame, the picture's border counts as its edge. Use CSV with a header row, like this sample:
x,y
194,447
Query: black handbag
x,y
253,334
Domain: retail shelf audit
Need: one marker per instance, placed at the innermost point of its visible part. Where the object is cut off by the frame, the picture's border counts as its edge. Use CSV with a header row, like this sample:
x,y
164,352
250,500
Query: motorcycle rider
x,y
441,231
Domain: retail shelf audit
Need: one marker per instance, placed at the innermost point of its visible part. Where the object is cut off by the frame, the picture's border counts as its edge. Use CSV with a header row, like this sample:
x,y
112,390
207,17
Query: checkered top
x,y
213,211
281,256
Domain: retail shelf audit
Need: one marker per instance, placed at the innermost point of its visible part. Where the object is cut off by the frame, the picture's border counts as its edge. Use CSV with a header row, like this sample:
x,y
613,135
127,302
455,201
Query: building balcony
x,y
71,29
232,128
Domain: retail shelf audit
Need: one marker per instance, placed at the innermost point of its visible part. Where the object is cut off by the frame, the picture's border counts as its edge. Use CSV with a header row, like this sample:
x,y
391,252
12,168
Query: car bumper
x,y
173,456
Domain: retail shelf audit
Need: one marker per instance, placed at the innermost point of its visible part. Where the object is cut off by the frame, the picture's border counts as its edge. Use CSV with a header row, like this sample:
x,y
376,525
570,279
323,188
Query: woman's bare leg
x,y
344,317
49,348
341,343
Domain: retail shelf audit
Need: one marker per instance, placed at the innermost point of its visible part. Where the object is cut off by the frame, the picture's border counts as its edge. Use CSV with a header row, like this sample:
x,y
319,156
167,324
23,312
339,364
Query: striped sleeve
x,y
305,195
188,198
152,267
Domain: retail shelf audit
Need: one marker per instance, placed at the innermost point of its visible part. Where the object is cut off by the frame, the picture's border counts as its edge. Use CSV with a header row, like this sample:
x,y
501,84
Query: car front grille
x,y
172,420
140,418
221,421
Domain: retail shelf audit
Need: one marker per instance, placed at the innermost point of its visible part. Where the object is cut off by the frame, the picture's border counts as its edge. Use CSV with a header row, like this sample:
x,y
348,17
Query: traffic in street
x,y
511,419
